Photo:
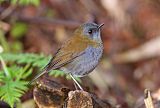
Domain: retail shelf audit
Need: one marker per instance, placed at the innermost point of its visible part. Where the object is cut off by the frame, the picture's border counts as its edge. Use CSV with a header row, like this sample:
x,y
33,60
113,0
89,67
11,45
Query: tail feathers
x,y
37,76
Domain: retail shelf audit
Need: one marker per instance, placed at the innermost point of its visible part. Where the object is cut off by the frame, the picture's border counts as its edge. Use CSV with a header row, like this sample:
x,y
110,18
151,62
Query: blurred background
x,y
131,38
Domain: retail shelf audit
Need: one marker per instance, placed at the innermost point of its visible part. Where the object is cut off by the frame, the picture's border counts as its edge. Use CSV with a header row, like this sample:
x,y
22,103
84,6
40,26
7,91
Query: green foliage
x,y
23,2
35,60
11,91
27,58
3,41
57,73
19,29
15,46
13,84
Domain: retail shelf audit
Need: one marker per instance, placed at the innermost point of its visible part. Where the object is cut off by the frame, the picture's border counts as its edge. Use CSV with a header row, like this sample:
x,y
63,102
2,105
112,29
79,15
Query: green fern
x,y
13,84
11,91
35,60
27,58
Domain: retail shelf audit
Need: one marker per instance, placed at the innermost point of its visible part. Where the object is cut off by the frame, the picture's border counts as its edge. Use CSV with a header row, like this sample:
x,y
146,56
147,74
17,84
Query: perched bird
x,y
79,55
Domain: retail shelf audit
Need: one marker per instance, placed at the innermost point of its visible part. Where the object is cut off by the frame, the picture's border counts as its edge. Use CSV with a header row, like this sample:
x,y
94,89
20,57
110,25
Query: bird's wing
x,y
66,54
59,61
56,63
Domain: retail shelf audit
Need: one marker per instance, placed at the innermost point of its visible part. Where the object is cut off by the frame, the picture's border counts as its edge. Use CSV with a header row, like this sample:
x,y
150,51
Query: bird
x,y
79,55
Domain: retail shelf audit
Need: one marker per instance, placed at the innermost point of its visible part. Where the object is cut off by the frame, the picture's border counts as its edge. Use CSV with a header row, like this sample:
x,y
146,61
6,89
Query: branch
x,y
53,22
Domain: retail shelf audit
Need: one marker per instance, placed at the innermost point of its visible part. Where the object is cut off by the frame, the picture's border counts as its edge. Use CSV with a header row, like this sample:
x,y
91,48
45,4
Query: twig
x,y
148,99
7,12
55,22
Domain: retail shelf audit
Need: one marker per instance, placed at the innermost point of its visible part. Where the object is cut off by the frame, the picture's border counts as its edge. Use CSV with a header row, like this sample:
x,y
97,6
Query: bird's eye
x,y
90,31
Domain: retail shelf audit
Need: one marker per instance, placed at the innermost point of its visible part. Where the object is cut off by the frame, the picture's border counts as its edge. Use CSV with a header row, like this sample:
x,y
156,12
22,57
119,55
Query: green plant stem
x,y
24,70
3,41
4,67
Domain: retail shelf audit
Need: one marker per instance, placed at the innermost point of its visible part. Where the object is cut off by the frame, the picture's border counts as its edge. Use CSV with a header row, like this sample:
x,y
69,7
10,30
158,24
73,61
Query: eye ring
x,y
90,31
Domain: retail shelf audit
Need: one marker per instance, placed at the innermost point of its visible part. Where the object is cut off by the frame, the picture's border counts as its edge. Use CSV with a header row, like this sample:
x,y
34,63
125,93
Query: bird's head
x,y
90,30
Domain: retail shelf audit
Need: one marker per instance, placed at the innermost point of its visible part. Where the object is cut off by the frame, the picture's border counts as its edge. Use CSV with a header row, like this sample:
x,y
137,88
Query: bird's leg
x,y
65,105
75,81
75,85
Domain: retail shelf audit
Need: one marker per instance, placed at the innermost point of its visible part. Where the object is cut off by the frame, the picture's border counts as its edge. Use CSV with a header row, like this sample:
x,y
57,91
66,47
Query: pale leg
x,y
75,85
76,82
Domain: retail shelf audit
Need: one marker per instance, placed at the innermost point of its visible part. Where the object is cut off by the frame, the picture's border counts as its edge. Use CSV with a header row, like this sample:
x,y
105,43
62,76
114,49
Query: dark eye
x,y
90,31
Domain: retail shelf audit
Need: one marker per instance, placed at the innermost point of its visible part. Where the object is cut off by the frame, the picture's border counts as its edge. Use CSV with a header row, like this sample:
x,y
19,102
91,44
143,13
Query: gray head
x,y
91,30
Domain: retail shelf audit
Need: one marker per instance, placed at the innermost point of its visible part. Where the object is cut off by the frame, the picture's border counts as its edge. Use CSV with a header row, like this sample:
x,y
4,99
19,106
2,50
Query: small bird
x,y
79,55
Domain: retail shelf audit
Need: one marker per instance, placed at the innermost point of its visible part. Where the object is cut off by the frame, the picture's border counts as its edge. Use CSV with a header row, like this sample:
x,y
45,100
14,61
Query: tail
x,y
37,76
